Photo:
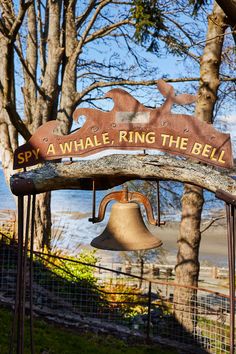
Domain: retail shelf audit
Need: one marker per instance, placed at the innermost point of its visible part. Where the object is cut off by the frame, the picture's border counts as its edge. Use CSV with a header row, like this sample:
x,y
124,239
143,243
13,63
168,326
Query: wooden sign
x,y
131,126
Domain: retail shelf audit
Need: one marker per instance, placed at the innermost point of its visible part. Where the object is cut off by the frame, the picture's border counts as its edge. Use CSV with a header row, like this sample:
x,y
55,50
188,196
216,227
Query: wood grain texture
x,y
115,169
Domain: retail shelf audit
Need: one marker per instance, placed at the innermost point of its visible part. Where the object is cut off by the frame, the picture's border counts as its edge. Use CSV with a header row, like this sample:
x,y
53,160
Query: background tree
x,y
46,70
56,55
48,52
187,268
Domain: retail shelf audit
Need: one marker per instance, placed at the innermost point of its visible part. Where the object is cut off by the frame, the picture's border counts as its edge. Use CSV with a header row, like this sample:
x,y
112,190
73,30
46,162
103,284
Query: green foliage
x,y
73,271
62,276
147,15
126,298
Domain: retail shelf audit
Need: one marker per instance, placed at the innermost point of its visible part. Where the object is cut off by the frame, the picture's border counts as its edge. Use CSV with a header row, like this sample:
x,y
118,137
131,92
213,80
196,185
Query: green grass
x,y
50,339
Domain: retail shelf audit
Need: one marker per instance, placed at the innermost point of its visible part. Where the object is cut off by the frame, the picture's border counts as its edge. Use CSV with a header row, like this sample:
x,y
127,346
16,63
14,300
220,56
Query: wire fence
x,y
78,294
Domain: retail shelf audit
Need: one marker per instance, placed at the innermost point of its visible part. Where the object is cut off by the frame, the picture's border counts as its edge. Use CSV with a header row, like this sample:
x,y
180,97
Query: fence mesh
x,y
74,293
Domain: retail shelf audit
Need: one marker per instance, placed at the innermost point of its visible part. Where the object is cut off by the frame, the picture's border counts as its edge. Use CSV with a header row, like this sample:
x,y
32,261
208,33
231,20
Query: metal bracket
x,y
226,197
125,196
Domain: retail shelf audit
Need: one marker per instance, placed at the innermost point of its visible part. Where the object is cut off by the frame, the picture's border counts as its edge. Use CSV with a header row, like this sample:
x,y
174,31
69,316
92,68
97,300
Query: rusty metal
x,y
22,187
149,312
22,248
230,201
230,212
159,222
16,323
226,197
24,265
94,201
31,274
125,196
130,126
19,308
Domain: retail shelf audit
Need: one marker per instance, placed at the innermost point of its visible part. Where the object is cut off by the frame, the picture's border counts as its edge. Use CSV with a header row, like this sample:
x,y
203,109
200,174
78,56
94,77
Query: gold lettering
x,y
131,135
175,142
197,148
66,147
96,141
140,137
36,153
150,138
183,143
51,149
88,143
105,138
123,136
28,155
221,156
21,158
206,150
164,138
79,145
212,157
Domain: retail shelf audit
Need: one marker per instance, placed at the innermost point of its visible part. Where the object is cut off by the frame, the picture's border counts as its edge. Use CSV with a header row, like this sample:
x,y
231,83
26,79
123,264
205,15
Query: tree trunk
x,y
187,268
43,222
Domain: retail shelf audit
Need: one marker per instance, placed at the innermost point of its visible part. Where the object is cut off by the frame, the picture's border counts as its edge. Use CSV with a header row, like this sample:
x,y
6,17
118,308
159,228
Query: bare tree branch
x,y
18,21
211,223
82,18
102,4
106,30
101,84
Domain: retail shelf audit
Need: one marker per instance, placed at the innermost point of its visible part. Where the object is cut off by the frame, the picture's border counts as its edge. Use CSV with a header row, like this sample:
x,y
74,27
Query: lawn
x,y
50,339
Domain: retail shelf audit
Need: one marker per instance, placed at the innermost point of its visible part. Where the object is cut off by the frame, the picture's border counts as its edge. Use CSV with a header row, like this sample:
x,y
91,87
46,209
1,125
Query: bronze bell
x,y
126,230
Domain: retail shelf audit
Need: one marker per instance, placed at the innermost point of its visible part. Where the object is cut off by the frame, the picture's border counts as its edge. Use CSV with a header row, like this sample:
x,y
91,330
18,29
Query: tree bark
x,y
187,267
112,170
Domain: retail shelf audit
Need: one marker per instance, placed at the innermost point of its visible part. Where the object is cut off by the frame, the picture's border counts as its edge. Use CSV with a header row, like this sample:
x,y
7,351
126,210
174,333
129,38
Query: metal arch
x,y
230,202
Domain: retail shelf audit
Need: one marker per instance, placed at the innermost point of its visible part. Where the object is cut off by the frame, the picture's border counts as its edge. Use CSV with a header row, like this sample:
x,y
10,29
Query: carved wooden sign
x,y
131,125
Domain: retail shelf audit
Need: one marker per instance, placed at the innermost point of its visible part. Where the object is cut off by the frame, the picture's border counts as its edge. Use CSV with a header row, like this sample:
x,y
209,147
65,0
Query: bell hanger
x,y
126,230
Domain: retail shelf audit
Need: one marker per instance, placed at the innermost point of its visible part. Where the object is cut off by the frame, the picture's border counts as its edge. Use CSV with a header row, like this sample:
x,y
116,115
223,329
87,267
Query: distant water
x,y
66,204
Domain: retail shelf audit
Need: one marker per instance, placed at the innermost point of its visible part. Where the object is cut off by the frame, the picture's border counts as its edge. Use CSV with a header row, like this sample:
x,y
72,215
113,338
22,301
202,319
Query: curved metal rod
x,y
125,197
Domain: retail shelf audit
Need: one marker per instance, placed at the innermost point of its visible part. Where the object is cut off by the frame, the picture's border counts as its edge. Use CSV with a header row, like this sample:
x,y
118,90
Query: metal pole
x,y
158,204
24,264
230,213
94,201
20,348
149,311
31,274
16,318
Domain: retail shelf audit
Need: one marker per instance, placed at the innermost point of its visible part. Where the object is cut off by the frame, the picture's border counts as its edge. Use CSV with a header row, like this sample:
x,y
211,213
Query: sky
x,y
227,124
168,65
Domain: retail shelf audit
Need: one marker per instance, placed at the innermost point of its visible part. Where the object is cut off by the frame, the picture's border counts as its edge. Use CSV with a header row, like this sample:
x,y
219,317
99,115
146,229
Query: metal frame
x,y
28,229
230,202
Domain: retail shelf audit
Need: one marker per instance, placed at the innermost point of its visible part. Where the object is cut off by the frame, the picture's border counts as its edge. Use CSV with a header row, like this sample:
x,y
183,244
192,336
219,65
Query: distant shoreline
x,y
213,247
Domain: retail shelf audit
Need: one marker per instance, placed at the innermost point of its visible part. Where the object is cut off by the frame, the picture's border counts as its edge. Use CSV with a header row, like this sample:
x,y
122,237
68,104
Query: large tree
x,y
187,268
69,51
58,54
47,69
63,53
